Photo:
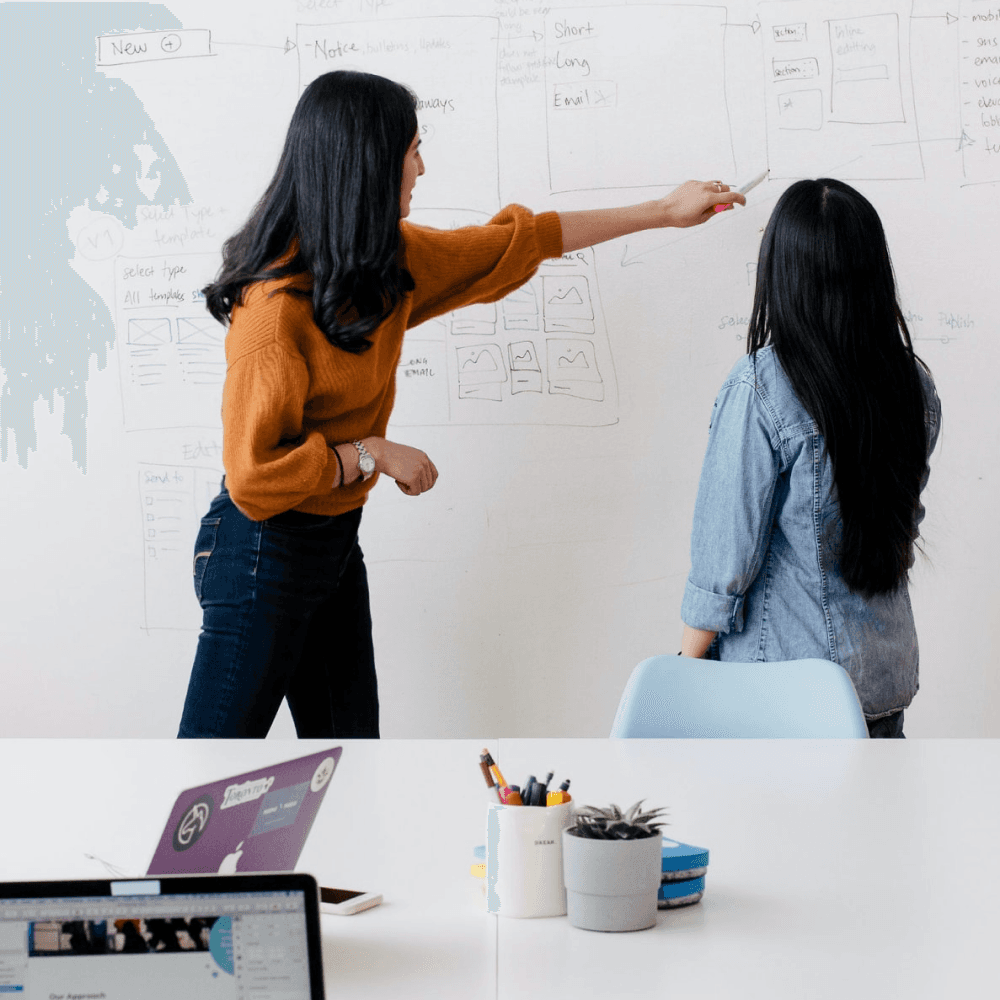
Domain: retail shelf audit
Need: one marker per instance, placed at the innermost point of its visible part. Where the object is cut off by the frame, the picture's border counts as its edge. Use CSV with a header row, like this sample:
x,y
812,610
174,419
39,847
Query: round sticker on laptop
x,y
192,824
323,774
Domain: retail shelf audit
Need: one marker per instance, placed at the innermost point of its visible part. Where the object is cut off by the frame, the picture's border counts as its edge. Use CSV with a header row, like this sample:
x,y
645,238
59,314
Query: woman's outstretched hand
x,y
694,202
688,205
413,471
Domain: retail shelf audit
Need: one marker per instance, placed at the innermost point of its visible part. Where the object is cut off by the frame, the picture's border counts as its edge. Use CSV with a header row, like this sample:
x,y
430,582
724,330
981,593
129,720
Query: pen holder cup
x,y
524,866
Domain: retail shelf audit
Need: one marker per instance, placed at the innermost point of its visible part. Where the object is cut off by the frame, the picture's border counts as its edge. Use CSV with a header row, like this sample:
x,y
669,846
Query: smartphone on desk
x,y
344,902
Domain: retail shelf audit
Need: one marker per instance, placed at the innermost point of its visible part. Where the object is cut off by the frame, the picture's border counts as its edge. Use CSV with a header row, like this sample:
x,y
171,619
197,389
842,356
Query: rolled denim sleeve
x,y
733,511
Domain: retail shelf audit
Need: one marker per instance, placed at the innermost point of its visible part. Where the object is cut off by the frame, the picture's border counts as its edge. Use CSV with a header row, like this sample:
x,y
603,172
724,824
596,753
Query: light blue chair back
x,y
684,698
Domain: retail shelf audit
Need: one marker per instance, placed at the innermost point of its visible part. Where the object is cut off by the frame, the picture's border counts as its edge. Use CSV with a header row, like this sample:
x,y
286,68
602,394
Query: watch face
x,y
367,464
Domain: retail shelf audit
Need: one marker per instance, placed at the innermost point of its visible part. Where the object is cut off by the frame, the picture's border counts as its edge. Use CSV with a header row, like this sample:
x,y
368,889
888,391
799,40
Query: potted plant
x,y
612,868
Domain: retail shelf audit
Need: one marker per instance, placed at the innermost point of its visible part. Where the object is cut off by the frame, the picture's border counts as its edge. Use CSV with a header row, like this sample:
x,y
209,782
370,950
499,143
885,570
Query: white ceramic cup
x,y
524,867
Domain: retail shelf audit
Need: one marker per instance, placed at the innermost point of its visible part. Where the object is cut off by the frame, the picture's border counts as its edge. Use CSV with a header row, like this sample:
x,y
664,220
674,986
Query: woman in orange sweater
x,y
319,287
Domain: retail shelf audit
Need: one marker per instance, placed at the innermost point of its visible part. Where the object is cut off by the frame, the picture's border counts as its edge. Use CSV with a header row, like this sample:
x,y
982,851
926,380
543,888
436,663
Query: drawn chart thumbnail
x,y
572,369
838,92
450,62
612,72
481,372
525,370
568,307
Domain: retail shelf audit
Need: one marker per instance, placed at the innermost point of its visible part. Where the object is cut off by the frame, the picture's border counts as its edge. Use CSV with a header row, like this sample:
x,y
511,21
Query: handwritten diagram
x,y
613,74
172,359
541,355
450,63
172,498
979,64
838,92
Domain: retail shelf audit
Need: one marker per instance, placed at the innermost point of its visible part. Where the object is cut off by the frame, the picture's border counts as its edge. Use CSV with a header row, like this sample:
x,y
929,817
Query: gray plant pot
x,y
611,885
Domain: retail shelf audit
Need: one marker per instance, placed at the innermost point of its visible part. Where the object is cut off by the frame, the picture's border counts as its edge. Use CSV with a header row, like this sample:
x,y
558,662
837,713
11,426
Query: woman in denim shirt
x,y
808,508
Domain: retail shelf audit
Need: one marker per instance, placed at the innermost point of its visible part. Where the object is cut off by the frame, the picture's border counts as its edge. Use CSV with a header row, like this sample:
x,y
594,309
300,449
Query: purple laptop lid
x,y
253,822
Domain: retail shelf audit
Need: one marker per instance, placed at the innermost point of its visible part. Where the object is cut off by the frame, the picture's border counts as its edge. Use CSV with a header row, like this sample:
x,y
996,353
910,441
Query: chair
x,y
684,698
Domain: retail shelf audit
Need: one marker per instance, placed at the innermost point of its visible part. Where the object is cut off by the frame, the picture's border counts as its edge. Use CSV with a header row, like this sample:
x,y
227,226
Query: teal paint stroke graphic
x,y
220,943
71,137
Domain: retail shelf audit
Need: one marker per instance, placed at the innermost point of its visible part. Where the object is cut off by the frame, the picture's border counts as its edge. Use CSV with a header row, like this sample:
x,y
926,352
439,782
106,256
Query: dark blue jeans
x,y
285,615
889,727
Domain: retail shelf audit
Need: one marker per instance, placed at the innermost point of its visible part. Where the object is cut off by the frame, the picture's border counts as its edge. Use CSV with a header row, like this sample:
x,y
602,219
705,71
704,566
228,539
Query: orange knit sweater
x,y
290,394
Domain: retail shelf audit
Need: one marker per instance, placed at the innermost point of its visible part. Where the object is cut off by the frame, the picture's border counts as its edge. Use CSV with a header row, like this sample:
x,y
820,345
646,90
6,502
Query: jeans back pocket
x,y
203,547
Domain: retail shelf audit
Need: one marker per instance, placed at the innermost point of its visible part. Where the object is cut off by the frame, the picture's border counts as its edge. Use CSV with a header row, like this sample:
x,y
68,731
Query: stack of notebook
x,y
683,879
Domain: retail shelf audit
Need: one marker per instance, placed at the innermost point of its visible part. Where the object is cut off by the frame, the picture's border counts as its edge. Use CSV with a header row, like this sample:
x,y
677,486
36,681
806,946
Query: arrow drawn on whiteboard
x,y
256,45
534,36
754,25
628,261
949,18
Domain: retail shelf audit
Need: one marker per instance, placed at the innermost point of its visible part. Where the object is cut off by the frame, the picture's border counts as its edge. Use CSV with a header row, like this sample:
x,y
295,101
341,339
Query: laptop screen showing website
x,y
195,945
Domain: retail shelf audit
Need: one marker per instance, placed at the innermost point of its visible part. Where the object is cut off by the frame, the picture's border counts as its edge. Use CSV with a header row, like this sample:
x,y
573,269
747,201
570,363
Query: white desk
x,y
838,869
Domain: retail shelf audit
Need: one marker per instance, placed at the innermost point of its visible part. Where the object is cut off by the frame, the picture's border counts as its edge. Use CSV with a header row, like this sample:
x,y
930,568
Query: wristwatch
x,y
365,461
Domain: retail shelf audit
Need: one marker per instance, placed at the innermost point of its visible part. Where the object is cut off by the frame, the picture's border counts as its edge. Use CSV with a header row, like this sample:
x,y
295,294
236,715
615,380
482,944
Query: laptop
x,y
199,937
252,822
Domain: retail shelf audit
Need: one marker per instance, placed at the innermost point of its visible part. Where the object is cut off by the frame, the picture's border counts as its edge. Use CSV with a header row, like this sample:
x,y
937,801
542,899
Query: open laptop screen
x,y
159,939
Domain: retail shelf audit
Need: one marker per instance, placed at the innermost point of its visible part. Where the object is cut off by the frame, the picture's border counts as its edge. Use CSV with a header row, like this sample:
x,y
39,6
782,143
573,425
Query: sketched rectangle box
x,y
866,72
480,364
795,69
800,110
148,332
520,309
525,371
572,369
199,330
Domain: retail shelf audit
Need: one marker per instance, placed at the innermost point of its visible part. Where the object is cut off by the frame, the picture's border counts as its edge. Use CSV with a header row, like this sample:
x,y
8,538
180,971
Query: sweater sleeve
x,y
270,466
454,268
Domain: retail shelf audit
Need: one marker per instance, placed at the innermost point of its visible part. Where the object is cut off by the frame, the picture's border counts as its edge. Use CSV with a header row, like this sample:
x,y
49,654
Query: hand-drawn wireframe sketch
x,y
838,94
450,62
481,372
572,368
499,364
172,500
614,73
979,73
172,359
87,137
568,307
525,370
151,46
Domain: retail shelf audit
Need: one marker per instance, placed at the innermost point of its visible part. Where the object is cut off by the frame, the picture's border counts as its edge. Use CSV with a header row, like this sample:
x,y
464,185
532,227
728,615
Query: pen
x,y
750,185
494,792
492,765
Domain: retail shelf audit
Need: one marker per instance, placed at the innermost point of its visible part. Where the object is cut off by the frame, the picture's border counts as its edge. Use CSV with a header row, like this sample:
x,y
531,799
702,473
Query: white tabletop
x,y
837,868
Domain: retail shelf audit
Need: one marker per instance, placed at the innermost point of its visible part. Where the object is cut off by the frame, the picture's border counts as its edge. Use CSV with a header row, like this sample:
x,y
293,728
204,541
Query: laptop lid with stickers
x,y
252,822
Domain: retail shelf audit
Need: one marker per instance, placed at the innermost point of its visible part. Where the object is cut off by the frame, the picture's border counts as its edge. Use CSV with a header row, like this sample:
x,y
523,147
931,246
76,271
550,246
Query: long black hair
x,y
826,300
335,198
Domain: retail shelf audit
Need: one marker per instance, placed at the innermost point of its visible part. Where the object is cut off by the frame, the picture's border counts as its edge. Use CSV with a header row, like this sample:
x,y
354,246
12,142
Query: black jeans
x,y
888,727
285,615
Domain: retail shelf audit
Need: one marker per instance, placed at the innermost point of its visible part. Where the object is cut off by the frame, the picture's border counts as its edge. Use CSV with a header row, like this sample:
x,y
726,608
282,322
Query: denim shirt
x,y
765,573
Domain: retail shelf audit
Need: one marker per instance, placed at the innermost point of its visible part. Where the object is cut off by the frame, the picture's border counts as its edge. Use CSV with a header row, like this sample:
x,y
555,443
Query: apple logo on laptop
x,y
228,866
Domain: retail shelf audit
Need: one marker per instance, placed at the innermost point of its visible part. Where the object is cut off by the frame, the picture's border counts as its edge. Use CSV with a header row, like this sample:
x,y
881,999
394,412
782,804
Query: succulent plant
x,y
613,824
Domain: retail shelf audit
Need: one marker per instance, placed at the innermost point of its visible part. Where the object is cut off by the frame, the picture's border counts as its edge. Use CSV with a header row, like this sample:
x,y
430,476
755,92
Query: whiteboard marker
x,y
749,186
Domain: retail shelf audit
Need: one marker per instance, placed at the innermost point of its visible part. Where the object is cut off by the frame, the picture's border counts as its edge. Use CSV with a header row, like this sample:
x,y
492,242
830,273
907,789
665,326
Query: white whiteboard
x,y
568,421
